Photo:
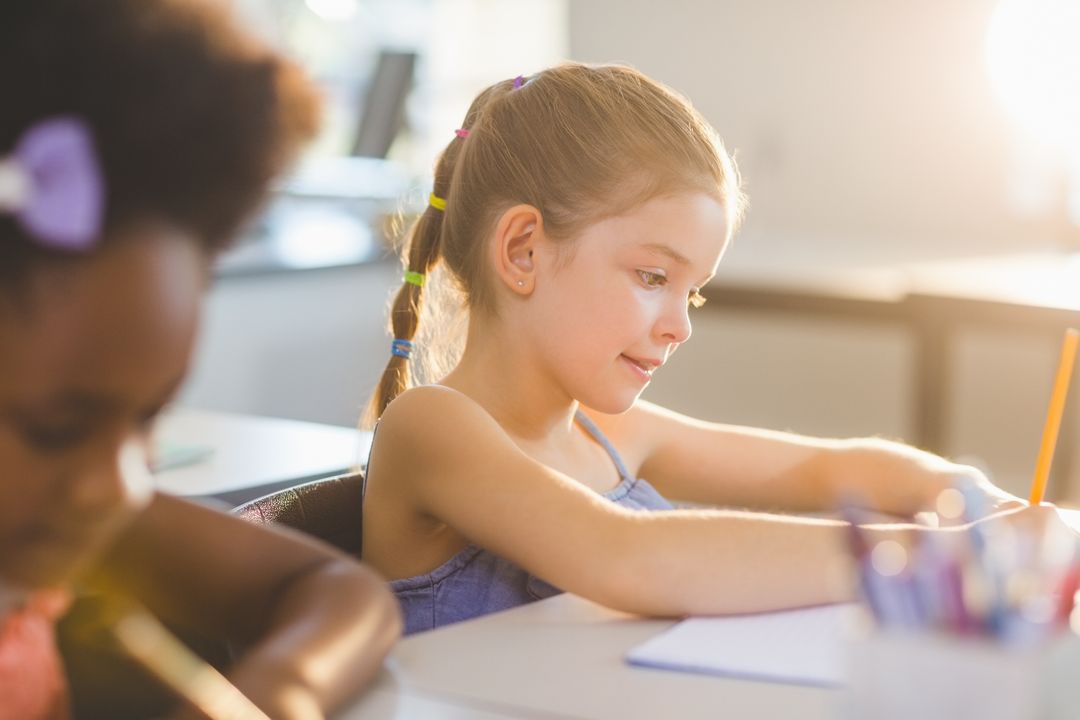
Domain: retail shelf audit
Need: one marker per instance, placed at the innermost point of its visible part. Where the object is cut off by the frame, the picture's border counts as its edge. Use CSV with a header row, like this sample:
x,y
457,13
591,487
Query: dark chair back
x,y
329,509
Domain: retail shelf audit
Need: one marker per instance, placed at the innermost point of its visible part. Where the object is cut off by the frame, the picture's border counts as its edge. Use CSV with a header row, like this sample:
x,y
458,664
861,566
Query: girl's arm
x,y
316,623
718,464
446,459
453,463
450,461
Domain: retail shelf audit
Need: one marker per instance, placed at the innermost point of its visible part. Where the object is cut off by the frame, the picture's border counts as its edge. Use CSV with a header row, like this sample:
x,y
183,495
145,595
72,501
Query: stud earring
x,y
521,283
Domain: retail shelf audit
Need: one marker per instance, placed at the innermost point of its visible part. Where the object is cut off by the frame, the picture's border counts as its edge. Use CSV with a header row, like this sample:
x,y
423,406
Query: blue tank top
x,y
476,582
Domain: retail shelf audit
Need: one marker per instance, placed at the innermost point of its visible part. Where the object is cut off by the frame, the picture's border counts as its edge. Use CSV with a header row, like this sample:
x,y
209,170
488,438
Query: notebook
x,y
800,647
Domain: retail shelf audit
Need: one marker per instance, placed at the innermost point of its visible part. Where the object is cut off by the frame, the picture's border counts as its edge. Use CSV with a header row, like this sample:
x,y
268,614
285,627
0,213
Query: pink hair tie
x,y
461,133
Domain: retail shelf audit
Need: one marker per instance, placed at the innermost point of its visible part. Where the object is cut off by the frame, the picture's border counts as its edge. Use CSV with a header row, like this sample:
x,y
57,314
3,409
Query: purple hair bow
x,y
52,184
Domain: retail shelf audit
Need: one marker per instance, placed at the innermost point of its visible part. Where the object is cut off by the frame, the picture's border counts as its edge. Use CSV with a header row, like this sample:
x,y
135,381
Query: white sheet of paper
x,y
803,647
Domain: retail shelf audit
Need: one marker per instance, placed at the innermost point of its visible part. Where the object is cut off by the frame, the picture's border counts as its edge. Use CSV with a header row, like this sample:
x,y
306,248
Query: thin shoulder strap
x,y
591,428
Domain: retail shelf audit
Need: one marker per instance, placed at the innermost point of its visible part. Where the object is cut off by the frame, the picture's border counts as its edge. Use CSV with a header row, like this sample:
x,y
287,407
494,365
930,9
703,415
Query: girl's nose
x,y
118,479
674,325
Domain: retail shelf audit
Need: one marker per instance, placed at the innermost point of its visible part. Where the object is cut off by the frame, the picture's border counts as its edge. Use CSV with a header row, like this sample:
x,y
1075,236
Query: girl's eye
x,y
652,279
696,299
56,439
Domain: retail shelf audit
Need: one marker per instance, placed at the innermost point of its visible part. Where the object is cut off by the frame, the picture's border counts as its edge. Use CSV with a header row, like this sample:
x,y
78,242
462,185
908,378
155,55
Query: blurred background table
x,y
235,458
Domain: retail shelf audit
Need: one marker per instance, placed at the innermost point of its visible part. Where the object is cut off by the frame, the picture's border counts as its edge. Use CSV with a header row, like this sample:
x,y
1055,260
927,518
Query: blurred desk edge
x,y
252,456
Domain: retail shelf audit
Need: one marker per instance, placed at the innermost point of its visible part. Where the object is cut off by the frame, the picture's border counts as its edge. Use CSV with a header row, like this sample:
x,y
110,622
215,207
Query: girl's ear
x,y
517,234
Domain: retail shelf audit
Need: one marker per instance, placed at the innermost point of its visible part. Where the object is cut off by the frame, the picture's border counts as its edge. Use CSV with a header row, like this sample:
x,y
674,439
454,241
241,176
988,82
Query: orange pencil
x,y
1053,416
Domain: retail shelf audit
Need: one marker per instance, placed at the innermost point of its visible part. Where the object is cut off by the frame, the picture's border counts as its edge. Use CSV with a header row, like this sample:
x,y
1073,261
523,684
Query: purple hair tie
x,y
518,82
52,184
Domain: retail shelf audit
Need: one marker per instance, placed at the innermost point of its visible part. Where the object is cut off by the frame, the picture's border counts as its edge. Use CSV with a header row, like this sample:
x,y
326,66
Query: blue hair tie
x,y
400,348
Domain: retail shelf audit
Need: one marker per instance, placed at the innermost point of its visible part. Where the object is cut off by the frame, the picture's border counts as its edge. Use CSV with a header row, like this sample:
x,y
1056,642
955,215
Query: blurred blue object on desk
x,y
168,455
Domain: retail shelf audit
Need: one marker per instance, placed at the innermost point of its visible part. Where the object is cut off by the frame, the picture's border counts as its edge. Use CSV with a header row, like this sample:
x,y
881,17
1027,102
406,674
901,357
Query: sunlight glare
x,y
333,9
1033,57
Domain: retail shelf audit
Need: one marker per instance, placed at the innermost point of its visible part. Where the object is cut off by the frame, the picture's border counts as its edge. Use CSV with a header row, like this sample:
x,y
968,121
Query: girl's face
x,y
87,359
613,312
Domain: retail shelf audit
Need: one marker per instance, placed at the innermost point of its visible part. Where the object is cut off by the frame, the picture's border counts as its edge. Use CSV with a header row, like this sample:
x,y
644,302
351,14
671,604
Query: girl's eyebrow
x,y
667,250
89,404
81,403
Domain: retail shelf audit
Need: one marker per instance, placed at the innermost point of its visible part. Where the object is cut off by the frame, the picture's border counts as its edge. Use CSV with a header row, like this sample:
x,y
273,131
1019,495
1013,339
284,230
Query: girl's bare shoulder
x,y
435,424
421,407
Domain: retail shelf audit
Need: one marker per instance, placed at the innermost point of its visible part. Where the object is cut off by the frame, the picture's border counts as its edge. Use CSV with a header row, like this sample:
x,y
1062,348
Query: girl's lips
x,y
67,534
642,369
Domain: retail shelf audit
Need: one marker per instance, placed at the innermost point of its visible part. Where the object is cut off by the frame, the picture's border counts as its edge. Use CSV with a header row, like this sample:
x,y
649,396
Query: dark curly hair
x,y
191,118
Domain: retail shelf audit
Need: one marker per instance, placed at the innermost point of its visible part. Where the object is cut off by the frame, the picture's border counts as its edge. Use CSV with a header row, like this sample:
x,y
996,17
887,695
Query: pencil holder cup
x,y
901,676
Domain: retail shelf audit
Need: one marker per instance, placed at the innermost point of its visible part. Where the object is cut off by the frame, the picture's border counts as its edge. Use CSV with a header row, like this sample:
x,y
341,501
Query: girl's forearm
x,y
722,562
887,476
330,631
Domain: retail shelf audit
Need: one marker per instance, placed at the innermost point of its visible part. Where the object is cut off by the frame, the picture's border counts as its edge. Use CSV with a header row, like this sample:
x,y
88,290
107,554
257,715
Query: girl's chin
x,y
611,405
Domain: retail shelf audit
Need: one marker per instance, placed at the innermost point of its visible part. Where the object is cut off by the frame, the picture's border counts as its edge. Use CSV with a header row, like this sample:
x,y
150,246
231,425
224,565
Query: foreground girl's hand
x,y
275,696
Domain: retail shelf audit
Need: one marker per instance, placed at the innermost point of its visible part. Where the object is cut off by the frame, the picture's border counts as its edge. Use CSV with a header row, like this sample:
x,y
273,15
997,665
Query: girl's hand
x,y
961,494
1036,521
906,482
995,499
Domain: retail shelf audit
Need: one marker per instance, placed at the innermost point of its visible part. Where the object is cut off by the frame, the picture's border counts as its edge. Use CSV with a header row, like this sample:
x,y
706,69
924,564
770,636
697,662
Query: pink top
x,y
32,685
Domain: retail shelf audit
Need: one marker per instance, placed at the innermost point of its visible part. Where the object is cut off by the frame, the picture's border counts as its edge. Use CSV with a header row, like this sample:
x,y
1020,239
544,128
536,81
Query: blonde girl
x,y
579,212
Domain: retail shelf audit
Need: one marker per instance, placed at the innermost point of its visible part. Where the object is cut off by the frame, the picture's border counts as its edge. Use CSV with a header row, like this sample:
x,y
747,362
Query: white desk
x,y
389,702
563,658
558,658
255,454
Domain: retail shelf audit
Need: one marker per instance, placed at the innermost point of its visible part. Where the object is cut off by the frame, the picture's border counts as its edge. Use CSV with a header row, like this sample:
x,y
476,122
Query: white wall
x,y
866,132
307,345
822,376
861,128
832,377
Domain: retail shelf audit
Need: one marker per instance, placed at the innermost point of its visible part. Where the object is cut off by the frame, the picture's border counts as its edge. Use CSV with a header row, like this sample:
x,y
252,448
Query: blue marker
x,y
870,582
975,507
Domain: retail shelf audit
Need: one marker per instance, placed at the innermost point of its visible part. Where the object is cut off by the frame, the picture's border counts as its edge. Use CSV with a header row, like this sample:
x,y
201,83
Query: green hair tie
x,y
414,278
